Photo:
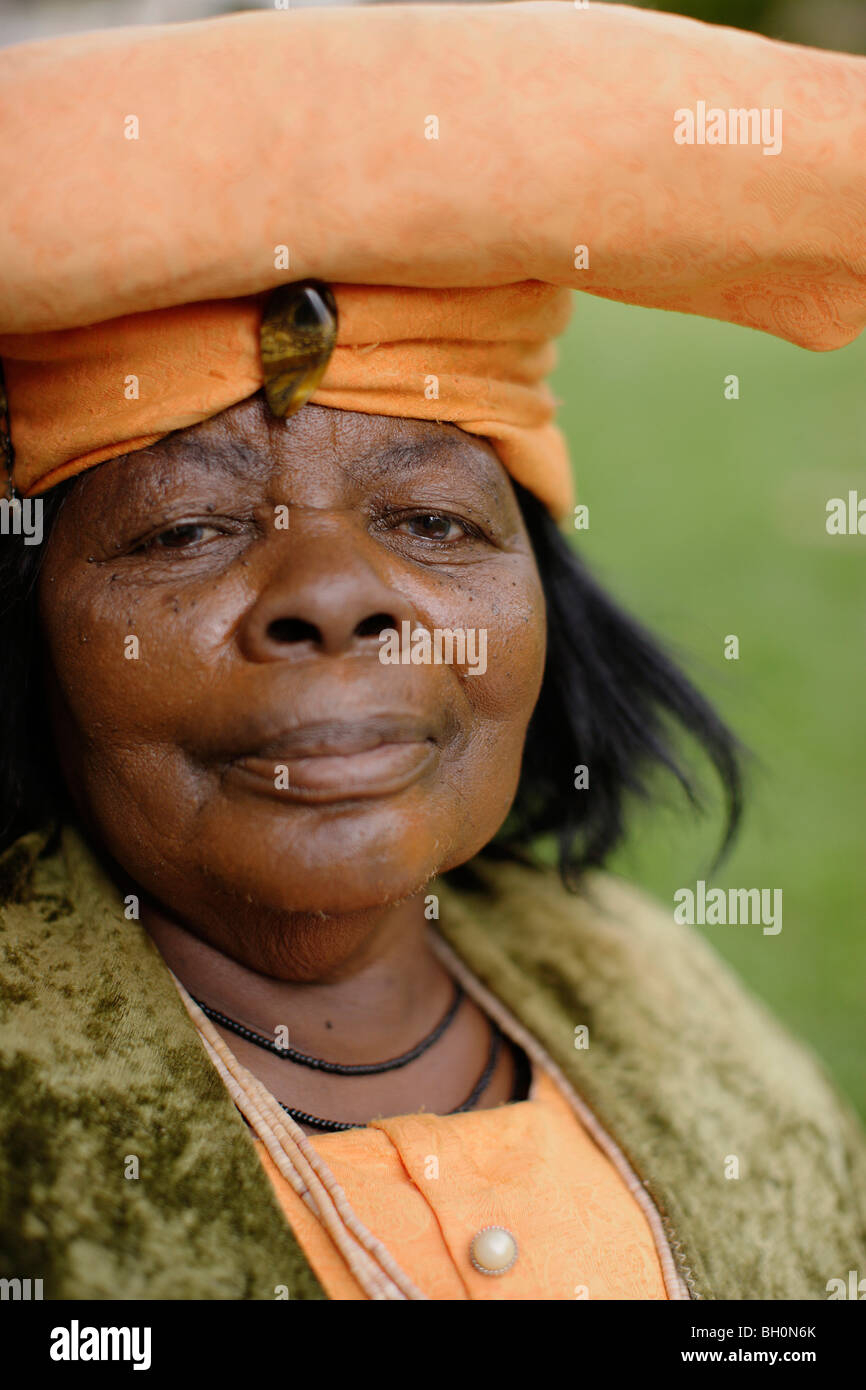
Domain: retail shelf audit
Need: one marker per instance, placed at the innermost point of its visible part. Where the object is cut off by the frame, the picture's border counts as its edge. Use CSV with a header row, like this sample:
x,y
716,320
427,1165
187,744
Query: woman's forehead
x,y
319,449
351,436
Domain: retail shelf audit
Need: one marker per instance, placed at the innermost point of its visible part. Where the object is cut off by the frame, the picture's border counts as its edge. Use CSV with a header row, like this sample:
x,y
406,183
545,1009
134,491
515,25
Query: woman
x,y
290,1012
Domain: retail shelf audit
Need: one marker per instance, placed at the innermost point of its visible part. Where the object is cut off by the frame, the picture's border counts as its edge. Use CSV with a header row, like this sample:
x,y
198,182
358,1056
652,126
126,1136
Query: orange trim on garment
x,y
425,1184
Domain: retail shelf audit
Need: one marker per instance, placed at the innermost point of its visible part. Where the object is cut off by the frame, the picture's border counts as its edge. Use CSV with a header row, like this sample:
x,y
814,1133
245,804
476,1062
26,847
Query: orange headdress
x,y
451,172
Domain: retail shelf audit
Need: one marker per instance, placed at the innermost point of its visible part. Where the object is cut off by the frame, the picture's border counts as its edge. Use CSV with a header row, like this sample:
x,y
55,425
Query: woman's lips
x,y
340,761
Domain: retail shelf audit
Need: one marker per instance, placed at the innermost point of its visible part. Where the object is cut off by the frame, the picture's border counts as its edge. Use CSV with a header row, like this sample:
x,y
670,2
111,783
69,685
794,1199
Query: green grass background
x,y
707,517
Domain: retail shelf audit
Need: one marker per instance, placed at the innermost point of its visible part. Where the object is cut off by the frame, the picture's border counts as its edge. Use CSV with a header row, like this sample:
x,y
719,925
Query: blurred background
x,y
707,518
837,24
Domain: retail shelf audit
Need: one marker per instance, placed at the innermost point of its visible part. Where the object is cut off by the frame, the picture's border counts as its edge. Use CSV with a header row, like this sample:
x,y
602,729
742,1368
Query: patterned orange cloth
x,y
474,357
510,152
425,1184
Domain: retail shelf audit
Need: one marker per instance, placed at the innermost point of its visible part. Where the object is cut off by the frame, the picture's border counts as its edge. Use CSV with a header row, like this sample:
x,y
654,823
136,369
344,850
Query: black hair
x,y
32,792
611,700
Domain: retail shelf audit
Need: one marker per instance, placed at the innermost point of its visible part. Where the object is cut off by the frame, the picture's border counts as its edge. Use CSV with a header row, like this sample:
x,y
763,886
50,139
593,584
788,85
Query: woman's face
x,y
212,609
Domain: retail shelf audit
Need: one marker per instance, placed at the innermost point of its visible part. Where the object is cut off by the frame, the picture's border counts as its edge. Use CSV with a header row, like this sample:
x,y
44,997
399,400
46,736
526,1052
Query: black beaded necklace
x,y
362,1068
291,1054
480,1086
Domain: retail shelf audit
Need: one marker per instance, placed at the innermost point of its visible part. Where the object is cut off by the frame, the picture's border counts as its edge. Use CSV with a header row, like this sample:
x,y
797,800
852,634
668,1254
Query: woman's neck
x,y
367,1004
351,1002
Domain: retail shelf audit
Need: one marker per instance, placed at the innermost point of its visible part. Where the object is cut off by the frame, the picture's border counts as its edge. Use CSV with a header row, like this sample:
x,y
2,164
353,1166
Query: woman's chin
x,y
305,879
335,861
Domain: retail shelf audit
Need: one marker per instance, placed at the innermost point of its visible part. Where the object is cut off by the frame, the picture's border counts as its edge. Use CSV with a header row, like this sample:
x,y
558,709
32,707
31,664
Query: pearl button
x,y
493,1250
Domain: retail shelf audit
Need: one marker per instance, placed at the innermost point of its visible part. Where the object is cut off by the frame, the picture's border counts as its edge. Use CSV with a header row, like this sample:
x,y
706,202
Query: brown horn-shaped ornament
x,y
298,333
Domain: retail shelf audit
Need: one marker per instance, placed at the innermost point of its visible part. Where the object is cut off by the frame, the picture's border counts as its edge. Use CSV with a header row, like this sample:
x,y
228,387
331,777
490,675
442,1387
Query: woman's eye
x,y
434,526
179,537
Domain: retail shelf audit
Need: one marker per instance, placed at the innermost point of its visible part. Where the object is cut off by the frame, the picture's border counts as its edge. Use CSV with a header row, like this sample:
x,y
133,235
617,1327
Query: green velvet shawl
x,y
99,1062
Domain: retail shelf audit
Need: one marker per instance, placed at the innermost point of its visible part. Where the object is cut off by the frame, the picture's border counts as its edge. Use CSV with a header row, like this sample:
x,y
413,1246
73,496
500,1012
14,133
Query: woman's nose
x,y
326,598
